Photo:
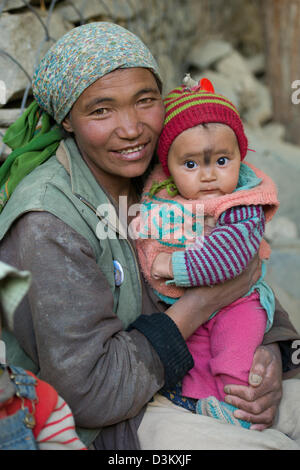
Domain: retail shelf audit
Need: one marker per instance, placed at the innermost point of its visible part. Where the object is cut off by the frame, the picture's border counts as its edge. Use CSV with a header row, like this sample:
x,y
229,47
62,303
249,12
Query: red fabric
x,y
47,399
207,85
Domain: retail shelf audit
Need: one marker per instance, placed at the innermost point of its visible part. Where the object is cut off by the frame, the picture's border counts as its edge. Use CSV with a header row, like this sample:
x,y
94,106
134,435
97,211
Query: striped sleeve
x,y
59,431
225,252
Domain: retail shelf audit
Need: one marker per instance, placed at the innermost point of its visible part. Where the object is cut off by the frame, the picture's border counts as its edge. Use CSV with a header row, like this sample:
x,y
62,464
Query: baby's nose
x,y
207,173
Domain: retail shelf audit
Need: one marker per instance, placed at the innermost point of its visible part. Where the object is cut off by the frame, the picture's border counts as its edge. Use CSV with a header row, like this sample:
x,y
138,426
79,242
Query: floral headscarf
x,y
82,56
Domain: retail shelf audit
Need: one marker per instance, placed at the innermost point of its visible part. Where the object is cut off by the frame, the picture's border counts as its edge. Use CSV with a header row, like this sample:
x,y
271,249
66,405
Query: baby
x,y
201,152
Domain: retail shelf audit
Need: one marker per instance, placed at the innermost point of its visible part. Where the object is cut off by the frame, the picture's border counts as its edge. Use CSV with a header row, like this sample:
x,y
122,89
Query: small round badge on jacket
x,y
119,273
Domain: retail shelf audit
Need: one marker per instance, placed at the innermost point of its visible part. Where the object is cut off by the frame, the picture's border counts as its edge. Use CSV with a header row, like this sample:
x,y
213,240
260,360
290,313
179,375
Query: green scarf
x,y
31,146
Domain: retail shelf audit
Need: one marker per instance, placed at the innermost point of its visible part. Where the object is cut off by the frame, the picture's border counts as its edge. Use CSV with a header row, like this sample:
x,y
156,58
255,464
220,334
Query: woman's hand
x,y
258,403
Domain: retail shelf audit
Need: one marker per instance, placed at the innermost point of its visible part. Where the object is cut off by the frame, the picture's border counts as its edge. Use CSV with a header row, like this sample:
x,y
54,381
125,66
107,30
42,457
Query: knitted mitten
x,y
214,408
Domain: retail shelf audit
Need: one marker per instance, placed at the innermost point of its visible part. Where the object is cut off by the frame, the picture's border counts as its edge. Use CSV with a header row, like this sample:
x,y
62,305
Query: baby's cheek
x,y
229,184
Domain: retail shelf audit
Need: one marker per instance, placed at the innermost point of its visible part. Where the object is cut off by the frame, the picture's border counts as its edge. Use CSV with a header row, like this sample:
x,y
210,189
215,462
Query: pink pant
x,y
223,348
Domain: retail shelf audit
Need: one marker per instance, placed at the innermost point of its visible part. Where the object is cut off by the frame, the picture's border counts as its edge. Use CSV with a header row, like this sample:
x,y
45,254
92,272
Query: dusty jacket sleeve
x,y
223,254
104,373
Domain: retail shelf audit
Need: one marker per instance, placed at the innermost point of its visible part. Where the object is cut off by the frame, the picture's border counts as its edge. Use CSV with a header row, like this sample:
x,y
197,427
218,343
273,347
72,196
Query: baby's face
x,y
205,162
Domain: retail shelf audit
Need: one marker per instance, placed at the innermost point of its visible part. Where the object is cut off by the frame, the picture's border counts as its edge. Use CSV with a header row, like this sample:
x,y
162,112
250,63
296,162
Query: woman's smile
x,y
136,152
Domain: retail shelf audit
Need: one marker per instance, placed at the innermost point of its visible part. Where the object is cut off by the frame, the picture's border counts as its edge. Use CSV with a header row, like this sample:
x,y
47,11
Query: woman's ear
x,y
66,123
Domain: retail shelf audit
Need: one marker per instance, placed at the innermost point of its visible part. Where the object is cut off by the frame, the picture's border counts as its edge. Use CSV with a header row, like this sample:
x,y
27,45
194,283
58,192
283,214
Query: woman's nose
x,y
129,125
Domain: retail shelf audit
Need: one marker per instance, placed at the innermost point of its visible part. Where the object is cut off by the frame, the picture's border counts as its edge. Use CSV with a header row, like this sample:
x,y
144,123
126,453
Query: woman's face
x,y
116,122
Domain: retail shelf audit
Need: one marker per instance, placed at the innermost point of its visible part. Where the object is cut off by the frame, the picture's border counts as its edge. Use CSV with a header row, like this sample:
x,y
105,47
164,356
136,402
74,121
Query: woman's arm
x,y
68,327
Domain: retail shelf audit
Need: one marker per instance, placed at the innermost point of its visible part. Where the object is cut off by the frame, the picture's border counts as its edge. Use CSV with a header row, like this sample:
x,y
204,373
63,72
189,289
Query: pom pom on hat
x,y
192,104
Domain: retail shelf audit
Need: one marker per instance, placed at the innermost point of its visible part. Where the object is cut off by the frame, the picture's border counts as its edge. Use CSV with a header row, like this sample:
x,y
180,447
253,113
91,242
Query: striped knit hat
x,y
188,107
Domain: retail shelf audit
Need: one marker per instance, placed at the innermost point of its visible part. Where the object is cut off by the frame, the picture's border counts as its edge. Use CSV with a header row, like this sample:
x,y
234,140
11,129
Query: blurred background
x,y
249,49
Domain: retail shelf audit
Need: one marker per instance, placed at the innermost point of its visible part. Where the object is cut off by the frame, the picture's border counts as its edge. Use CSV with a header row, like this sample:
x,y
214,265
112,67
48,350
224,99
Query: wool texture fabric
x,y
81,57
190,107
221,410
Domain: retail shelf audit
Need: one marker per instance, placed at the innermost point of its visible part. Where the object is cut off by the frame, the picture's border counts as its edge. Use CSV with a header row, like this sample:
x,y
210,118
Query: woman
x,y
89,323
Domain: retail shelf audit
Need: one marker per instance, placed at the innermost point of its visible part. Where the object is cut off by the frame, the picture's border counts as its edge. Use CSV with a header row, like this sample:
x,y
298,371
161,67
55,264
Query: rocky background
x,y
223,40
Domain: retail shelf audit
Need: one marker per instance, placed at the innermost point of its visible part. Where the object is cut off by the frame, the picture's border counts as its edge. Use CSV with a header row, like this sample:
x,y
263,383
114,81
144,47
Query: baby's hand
x,y
162,266
209,225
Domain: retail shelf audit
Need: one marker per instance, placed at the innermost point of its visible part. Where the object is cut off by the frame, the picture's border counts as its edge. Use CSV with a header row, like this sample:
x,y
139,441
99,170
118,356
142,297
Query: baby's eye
x,y
222,161
190,164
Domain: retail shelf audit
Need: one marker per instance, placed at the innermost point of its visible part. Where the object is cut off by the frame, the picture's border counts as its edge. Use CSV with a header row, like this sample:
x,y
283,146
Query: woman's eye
x,y
222,161
101,111
147,100
190,164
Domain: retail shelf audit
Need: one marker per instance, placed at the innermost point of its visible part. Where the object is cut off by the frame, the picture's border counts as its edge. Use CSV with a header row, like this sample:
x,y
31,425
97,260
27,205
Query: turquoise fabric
x,y
247,178
220,410
266,296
